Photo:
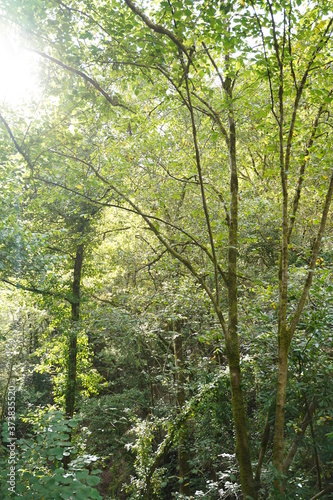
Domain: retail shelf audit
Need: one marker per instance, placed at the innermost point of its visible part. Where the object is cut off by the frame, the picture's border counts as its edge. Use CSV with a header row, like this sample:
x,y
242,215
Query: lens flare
x,y
18,80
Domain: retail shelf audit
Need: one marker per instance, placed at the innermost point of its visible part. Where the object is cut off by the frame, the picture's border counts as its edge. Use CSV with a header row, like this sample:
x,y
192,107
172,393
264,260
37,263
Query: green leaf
x,y
92,480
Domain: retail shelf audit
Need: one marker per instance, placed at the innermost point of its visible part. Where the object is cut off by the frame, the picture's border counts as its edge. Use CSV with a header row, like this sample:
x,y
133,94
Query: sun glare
x,y
18,82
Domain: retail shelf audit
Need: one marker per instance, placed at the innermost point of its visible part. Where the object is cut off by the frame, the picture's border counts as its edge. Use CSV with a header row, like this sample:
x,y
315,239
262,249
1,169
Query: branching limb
x,y
114,101
16,144
290,49
215,116
322,42
302,170
148,219
202,188
39,291
214,64
315,251
152,217
267,65
294,447
157,28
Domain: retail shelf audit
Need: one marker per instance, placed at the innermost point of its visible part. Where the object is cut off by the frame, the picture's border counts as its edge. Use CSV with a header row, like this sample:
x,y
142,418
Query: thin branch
x,y
275,41
105,301
284,36
302,171
323,492
299,92
185,180
152,262
263,447
253,163
312,266
202,188
32,289
213,114
267,65
157,219
222,200
16,144
161,70
214,64
116,230
114,101
290,49
294,447
71,9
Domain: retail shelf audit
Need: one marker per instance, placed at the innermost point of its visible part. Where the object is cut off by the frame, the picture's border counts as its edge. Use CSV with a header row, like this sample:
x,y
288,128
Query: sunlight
x,y
18,82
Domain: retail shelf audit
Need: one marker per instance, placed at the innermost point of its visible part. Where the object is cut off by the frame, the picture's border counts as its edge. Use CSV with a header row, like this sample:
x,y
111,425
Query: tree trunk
x,y
72,350
263,447
232,343
239,414
72,347
278,448
183,454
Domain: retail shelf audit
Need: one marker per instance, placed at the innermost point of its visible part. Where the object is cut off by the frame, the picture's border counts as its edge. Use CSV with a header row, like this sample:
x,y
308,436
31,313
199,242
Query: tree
x,y
75,218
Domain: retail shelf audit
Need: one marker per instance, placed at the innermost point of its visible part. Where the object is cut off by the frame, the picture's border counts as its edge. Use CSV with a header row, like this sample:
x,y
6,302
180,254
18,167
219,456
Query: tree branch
x,y
213,114
302,170
312,266
267,65
214,64
299,92
114,101
158,219
202,188
157,27
36,290
323,492
16,144
293,449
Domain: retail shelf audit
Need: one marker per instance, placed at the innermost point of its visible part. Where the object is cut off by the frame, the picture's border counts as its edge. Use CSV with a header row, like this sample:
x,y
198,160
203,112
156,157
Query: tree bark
x,y
183,453
72,349
263,447
285,334
278,447
232,342
294,447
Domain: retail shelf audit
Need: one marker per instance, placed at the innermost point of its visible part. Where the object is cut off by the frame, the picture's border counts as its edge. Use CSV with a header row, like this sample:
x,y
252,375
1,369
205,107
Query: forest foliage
x,y
166,253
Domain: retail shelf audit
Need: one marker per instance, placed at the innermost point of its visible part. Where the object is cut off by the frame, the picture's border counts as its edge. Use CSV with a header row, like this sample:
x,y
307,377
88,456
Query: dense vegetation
x,y
166,254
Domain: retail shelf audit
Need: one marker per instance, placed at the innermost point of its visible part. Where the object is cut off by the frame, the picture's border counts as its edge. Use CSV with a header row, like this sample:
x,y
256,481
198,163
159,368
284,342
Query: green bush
x,y
39,472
